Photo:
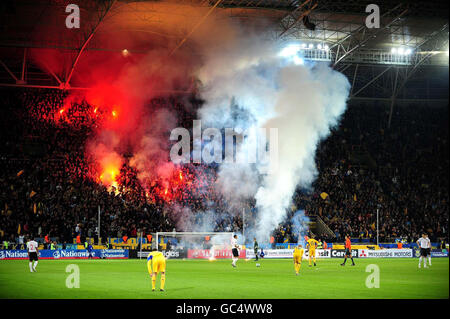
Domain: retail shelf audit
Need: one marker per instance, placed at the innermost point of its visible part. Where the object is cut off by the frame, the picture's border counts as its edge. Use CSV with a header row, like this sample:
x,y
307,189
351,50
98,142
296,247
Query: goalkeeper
x,y
255,248
156,262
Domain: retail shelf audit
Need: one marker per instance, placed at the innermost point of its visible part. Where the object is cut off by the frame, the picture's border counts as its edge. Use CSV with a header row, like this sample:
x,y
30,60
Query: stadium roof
x,y
112,25
40,23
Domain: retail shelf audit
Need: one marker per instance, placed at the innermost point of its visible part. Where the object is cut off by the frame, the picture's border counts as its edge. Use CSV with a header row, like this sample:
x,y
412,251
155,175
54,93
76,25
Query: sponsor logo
x,y
406,253
417,252
218,253
171,253
439,253
166,253
323,253
390,253
112,253
288,253
2,255
6,254
56,254
362,253
73,253
340,253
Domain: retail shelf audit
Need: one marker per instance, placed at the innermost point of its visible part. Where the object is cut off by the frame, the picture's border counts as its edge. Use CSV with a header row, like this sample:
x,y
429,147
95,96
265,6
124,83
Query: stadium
x,y
224,149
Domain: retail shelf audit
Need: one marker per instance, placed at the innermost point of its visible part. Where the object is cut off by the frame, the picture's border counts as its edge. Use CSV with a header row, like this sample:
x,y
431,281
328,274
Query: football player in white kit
x,y
32,248
423,244
234,250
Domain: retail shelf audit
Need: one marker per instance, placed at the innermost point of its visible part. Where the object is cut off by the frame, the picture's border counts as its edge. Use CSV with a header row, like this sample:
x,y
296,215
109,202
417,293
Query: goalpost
x,y
196,240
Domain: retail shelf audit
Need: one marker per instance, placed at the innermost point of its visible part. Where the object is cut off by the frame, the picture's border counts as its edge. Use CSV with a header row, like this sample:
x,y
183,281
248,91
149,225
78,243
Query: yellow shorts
x,y
297,259
312,253
158,265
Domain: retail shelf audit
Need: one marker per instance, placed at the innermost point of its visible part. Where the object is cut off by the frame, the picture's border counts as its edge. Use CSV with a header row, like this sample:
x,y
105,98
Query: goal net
x,y
206,242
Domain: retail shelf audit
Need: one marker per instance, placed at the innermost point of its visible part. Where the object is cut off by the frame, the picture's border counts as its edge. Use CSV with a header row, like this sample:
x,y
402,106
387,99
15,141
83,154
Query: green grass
x,y
191,279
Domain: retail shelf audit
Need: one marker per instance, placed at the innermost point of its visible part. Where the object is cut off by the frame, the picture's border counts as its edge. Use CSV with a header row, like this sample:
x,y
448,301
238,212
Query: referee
x,y
348,250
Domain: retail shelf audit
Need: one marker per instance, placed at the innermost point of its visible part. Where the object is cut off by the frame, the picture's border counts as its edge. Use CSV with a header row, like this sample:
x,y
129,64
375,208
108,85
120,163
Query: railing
x,y
321,226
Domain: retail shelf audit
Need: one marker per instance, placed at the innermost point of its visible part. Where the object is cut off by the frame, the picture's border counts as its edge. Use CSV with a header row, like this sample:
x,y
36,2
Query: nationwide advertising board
x,y
209,253
287,253
385,253
434,252
439,253
67,254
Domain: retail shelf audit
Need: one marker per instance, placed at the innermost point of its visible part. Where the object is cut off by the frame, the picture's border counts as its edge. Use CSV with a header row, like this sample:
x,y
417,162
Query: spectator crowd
x,y
364,167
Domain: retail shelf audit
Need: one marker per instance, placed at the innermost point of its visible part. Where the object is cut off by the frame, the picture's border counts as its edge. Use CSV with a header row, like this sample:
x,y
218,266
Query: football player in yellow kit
x,y
311,245
298,255
156,262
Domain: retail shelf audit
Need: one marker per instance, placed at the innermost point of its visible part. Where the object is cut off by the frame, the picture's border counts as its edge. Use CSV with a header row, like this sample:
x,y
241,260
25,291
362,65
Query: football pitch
x,y
203,279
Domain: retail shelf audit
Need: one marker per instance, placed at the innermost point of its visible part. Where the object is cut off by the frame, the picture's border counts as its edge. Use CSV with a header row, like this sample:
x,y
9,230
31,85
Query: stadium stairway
x,y
318,227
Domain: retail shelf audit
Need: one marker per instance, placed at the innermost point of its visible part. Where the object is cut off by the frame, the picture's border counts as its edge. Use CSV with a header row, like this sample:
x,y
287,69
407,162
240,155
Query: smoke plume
x,y
302,102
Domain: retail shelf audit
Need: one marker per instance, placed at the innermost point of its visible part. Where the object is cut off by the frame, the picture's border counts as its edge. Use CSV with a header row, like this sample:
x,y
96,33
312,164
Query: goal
x,y
194,240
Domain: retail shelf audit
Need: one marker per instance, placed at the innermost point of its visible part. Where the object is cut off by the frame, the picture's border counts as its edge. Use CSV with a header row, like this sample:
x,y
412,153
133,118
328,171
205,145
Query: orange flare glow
x,y
116,187
108,177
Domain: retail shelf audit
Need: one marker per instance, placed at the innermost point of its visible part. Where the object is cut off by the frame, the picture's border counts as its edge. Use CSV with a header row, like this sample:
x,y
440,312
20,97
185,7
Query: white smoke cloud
x,y
310,102
301,101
